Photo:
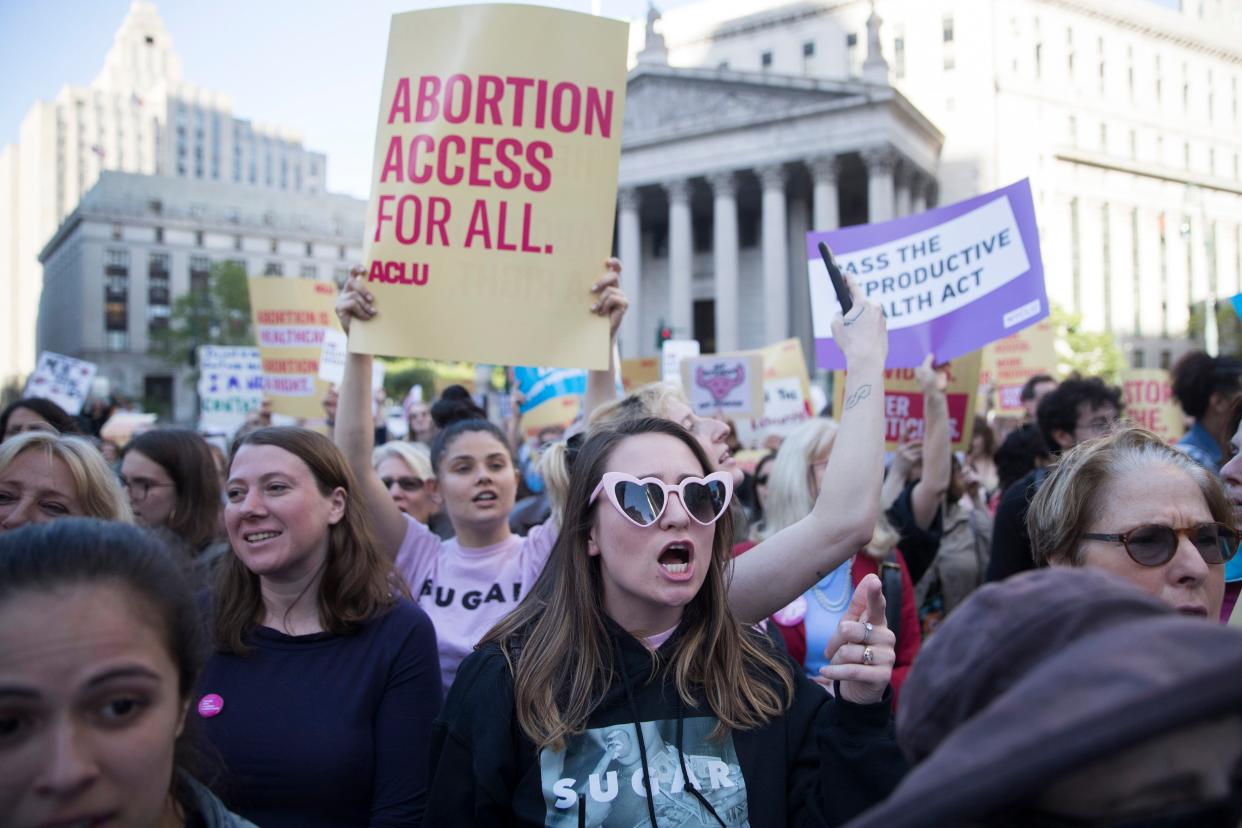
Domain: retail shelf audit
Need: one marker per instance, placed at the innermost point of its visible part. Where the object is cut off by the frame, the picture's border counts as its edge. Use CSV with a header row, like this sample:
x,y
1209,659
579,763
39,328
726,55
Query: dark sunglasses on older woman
x,y
642,502
407,484
1155,544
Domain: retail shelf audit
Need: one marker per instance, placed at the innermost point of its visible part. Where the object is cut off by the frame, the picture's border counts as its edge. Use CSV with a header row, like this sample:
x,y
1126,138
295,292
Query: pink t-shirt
x,y
466,591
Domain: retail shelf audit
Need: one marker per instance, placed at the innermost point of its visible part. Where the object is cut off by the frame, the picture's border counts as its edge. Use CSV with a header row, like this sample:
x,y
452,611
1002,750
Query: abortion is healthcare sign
x,y
291,319
494,185
949,280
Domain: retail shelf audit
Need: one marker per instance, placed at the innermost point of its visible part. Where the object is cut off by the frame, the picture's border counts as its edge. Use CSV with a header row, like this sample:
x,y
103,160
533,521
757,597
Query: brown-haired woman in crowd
x,y
99,652
623,691
325,679
1131,504
45,476
171,479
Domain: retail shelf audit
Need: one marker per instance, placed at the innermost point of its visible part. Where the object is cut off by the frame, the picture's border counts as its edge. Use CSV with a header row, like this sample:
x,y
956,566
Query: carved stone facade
x,y
722,174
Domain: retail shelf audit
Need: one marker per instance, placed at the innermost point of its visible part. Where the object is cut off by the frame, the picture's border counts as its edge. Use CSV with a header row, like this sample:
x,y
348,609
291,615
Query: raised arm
x,y
354,431
610,301
843,519
928,493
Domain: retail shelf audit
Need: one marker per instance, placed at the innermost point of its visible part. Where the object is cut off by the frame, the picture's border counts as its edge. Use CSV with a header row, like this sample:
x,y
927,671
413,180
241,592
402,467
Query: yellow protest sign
x,y
494,185
1010,362
1148,397
290,317
903,401
638,372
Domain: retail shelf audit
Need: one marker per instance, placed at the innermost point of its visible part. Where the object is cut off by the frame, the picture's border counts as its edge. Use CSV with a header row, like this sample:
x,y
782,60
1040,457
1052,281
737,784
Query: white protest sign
x,y
673,352
729,385
332,353
230,385
63,380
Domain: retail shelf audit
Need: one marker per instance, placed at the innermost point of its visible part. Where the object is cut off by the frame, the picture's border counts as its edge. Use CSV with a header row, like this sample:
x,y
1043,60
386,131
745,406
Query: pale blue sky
x,y
311,65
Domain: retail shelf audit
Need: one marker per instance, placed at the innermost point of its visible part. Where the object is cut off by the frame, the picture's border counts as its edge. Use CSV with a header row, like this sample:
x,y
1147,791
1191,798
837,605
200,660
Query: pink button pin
x,y
210,705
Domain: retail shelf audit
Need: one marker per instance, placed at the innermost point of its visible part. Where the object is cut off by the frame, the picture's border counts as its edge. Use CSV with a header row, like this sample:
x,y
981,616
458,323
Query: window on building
x,y
1211,97
237,242
1211,160
765,59
1133,144
340,252
1166,359
116,299
198,238
275,245
1069,51
200,275
1159,81
340,275
1039,60
899,53
310,249
159,235
808,49
1138,358
1103,137
309,271
946,28
117,232
1072,130
1159,149
1186,154
273,269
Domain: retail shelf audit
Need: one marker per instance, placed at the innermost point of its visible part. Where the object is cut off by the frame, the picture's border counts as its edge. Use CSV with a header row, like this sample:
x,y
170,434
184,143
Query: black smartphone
x,y
838,281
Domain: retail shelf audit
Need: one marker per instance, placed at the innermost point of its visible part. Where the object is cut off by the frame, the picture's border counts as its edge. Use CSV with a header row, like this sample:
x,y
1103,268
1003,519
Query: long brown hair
x,y
187,459
358,583
557,639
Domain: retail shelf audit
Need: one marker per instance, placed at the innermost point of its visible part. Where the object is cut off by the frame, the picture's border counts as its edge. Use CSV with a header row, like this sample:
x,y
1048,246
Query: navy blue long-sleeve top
x,y
324,729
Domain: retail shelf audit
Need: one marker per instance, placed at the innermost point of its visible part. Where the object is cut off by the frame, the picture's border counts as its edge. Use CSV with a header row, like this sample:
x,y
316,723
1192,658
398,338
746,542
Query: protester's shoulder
x,y
484,681
1019,494
405,617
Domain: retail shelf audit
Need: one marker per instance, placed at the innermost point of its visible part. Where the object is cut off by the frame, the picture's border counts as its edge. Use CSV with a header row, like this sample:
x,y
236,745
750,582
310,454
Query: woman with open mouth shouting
x,y
623,690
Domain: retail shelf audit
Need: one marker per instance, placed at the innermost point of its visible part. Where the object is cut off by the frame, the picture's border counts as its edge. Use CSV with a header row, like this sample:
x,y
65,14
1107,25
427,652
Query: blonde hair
x,y
1070,497
416,456
790,479
97,488
650,400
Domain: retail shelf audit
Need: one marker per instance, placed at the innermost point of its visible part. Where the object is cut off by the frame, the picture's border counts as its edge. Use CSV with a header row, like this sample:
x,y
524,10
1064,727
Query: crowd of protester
x,y
625,623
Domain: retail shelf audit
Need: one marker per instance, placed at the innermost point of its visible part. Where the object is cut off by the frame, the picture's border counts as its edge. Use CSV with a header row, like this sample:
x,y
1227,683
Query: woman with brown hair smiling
x,y
325,679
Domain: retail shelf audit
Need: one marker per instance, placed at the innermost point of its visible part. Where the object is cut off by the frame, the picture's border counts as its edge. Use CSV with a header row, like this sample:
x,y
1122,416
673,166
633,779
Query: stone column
x,y
775,255
725,255
880,163
825,212
630,248
680,259
904,176
918,193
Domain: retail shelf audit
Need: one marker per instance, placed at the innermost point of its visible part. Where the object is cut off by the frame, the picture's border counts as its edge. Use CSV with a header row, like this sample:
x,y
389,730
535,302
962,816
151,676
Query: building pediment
x,y
664,101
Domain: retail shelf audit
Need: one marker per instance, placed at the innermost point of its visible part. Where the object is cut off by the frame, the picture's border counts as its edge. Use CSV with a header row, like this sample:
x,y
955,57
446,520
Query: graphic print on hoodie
x,y
601,772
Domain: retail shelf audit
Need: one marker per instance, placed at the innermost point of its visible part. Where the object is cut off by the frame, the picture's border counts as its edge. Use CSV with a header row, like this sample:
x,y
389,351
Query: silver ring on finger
x,y
868,656
867,628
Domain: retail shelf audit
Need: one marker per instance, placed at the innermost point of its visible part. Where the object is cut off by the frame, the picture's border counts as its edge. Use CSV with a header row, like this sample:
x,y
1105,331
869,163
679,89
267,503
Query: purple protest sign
x,y
949,280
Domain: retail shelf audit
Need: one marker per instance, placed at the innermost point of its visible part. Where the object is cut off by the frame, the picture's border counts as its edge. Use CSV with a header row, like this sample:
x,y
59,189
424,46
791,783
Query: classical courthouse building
x,y
137,116
749,122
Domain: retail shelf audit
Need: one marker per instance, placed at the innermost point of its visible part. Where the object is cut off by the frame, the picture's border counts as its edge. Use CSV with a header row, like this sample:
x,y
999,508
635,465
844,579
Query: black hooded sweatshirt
x,y
820,763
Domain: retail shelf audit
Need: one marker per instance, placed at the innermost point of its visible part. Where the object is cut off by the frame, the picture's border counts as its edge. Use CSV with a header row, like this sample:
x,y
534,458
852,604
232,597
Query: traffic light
x,y
663,334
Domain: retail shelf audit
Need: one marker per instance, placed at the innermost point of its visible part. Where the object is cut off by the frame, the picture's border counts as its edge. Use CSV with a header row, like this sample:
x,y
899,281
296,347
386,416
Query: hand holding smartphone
x,y
838,281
